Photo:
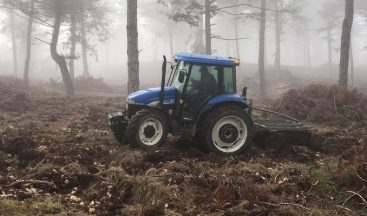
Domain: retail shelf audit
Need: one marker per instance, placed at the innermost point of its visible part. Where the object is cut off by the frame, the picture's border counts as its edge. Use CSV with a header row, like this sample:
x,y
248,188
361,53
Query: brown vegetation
x,y
60,157
331,105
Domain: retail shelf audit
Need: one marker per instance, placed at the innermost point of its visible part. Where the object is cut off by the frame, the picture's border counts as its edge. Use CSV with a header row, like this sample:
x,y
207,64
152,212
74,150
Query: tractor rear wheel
x,y
147,129
229,130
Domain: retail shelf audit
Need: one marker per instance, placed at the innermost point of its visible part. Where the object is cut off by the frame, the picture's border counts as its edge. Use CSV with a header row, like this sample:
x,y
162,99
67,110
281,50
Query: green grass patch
x,y
36,206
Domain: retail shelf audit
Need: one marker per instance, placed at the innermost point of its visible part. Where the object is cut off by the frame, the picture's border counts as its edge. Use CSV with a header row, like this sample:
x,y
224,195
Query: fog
x,y
109,58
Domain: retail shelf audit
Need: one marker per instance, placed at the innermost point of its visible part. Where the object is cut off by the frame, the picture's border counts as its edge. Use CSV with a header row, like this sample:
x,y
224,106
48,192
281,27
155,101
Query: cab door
x,y
194,96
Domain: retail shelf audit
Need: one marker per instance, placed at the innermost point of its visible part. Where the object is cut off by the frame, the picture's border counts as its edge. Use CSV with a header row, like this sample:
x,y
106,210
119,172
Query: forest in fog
x,y
92,36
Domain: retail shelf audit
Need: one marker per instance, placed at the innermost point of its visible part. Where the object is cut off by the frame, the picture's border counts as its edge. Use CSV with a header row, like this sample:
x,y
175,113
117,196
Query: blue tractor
x,y
199,100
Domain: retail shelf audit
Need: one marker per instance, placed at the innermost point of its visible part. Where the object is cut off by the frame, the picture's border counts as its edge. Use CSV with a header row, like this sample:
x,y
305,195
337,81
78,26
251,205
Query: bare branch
x,y
291,204
359,195
347,209
43,41
255,7
228,39
36,20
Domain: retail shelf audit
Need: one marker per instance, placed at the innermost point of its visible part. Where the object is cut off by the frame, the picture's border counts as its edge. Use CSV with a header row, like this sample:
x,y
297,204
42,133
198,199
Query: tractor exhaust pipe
x,y
164,66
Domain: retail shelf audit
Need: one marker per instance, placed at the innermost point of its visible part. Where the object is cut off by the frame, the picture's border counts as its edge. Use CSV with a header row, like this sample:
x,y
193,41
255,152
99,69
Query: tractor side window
x,y
228,80
203,78
175,81
195,74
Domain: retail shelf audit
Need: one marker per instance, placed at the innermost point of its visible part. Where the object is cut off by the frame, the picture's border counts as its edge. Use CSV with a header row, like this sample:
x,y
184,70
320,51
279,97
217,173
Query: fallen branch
x,y
364,180
275,179
280,204
347,209
32,181
312,185
359,195
38,164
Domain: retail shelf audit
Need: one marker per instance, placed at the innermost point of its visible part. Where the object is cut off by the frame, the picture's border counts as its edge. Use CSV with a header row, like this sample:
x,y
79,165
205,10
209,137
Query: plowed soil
x,y
62,149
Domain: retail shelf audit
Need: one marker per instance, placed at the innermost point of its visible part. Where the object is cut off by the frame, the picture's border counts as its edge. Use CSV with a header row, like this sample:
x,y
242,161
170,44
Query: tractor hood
x,y
145,97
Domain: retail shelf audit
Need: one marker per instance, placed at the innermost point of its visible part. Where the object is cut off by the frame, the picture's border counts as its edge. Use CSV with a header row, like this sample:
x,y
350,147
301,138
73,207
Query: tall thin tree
x,y
351,64
262,51
59,59
84,47
208,28
29,43
73,46
345,43
278,33
14,43
132,46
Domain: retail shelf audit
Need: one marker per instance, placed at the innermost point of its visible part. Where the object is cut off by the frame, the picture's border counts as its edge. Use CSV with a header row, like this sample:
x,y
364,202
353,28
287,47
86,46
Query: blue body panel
x,y
144,97
227,98
204,59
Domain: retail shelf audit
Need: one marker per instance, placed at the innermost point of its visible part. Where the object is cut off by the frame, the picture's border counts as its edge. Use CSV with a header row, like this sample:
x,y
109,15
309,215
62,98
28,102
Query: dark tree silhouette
x,y
132,46
29,42
262,51
345,43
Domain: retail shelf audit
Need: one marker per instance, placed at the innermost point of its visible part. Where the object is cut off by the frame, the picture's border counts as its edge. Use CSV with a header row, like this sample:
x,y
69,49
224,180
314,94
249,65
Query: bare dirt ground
x,y
58,157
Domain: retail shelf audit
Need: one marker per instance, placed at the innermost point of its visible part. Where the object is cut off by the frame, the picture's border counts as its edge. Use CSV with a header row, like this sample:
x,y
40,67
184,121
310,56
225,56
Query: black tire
x,y
228,133
120,138
142,117
118,125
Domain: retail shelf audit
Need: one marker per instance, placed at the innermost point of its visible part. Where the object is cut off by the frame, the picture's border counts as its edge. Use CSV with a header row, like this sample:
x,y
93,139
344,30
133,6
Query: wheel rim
x,y
150,131
229,134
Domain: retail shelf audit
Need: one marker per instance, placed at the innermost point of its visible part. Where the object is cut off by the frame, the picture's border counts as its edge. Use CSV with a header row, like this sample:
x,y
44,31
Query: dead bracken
x,y
75,165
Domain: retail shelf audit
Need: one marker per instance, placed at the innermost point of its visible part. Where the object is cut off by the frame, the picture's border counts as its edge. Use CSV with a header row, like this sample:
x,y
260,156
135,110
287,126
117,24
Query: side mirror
x,y
244,92
181,75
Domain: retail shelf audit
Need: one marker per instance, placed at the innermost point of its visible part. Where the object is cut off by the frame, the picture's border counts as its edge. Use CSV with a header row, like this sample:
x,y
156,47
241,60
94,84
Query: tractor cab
x,y
200,81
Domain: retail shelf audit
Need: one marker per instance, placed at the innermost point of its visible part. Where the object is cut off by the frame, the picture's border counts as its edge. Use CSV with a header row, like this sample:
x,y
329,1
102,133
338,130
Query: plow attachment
x,y
279,125
283,131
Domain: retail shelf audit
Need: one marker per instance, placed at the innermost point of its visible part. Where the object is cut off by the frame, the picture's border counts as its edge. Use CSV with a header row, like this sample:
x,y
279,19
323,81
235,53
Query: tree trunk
x,y
107,55
84,47
345,43
60,60
208,30
132,46
351,65
262,83
28,45
237,40
278,32
171,49
14,43
198,45
330,48
308,49
73,46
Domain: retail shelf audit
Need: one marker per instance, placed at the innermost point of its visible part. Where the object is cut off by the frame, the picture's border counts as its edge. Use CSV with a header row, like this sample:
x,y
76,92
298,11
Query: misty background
x,y
108,59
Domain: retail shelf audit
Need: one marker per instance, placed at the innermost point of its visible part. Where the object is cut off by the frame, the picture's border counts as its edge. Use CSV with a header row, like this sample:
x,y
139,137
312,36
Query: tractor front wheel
x,y
229,130
147,129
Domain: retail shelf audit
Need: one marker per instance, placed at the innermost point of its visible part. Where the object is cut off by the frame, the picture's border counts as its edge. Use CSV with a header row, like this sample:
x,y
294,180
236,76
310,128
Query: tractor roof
x,y
205,59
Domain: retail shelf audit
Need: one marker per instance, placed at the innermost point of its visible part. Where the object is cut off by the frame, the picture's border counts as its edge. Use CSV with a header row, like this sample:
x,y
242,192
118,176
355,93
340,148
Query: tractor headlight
x,y
130,101
153,104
